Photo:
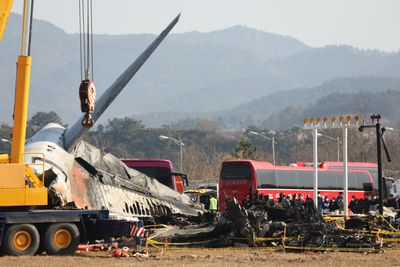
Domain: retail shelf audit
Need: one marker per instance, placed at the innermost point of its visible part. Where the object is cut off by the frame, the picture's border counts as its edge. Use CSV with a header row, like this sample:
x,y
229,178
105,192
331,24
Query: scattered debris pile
x,y
300,225
270,224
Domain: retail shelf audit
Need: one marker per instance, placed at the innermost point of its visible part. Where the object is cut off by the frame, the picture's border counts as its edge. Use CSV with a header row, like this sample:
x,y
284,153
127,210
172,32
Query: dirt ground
x,y
191,257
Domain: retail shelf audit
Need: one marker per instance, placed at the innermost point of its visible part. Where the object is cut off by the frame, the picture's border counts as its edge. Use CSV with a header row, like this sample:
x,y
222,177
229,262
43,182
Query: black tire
x,y
21,239
61,239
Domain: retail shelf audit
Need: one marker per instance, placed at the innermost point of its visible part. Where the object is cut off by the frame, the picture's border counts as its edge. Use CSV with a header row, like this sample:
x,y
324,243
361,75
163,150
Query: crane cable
x,y
86,38
27,28
87,90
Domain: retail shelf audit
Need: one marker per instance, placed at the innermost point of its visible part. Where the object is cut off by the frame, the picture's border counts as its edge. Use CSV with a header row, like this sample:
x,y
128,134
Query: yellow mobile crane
x,y
19,185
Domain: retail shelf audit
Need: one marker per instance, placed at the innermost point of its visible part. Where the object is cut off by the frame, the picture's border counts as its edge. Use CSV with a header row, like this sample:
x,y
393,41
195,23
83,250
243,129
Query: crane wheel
x,y
21,239
61,239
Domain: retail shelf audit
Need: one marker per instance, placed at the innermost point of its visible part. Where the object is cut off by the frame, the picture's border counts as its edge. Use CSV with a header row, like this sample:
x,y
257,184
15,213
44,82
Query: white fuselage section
x,y
45,151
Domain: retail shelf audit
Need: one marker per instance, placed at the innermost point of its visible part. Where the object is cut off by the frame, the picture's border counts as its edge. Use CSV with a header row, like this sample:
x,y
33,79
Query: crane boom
x,y
5,10
19,185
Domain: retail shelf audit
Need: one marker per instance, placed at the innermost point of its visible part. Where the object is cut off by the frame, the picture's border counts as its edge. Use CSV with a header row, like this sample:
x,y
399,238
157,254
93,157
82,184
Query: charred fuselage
x,y
79,175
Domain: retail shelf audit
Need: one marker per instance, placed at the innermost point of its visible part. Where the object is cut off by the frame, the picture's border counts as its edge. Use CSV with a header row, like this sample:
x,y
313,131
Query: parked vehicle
x,y
201,196
159,169
239,178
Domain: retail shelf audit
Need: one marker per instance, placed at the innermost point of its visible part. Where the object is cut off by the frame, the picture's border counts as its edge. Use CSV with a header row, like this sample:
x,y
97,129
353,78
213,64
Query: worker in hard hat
x,y
213,204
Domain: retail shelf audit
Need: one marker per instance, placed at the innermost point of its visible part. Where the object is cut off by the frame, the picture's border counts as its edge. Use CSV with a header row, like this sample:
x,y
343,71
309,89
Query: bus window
x,y
366,183
352,181
304,180
328,180
236,171
266,179
373,170
286,179
374,174
359,181
161,174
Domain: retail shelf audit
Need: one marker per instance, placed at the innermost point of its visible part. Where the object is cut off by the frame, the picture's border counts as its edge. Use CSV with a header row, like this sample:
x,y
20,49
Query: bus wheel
x,y
61,239
21,239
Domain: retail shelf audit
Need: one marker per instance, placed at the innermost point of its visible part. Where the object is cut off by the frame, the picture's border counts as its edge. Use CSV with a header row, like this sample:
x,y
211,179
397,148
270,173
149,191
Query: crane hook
x,y
87,96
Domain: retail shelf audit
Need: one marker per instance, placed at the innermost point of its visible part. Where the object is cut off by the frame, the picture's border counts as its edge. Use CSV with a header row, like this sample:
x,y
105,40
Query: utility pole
x,y
379,141
315,165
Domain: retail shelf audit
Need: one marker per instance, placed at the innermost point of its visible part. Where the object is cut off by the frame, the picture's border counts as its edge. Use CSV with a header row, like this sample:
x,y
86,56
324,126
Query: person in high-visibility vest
x,y
213,204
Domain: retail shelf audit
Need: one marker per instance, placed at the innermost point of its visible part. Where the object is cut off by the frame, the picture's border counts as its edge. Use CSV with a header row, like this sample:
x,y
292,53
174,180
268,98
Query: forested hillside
x,y
207,145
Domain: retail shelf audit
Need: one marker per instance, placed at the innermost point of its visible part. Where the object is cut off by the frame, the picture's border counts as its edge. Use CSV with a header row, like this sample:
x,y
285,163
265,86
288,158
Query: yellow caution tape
x,y
180,243
166,231
337,249
258,238
341,249
373,232
394,239
334,218
225,248
388,223
157,226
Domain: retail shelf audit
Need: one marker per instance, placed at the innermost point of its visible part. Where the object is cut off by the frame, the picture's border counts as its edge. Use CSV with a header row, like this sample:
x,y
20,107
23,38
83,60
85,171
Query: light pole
x,y
179,143
342,123
333,139
271,139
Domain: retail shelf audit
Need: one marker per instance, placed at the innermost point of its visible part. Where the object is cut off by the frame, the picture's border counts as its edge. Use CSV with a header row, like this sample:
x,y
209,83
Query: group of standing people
x,y
326,205
336,204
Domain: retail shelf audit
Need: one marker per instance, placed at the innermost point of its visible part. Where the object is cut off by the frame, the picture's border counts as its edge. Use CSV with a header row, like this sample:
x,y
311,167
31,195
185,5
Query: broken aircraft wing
x,y
76,131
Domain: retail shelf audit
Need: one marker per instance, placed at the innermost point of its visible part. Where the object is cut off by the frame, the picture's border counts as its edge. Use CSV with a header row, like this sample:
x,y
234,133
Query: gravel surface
x,y
220,257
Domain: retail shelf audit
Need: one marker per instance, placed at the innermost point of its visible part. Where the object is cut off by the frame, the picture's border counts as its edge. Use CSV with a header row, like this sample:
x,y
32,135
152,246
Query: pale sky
x,y
368,24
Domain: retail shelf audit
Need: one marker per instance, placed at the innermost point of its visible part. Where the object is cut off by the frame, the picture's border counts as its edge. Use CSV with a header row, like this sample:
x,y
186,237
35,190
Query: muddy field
x,y
237,257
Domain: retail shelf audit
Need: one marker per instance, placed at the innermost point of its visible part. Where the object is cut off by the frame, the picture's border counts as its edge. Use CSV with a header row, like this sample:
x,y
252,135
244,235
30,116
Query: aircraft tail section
x,y
76,131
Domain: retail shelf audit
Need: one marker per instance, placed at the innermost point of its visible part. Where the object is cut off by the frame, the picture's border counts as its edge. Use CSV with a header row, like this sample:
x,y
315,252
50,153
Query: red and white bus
x,y
239,178
368,166
159,169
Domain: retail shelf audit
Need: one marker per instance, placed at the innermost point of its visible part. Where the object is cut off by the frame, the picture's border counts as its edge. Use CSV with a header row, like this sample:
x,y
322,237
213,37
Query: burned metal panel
x,y
107,183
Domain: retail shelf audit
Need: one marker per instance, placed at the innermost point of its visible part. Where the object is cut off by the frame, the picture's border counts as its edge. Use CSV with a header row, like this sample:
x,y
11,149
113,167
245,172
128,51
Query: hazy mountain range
x,y
238,75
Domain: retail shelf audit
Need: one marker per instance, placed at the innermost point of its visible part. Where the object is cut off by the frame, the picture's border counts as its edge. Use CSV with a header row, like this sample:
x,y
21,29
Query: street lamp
x,y
179,143
333,139
272,140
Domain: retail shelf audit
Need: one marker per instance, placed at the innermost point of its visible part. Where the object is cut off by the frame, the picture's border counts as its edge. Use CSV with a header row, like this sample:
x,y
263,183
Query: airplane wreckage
x,y
80,176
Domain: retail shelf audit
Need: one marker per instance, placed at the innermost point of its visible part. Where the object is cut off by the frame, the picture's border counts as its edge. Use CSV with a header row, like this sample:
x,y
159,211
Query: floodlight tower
x,y
334,123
